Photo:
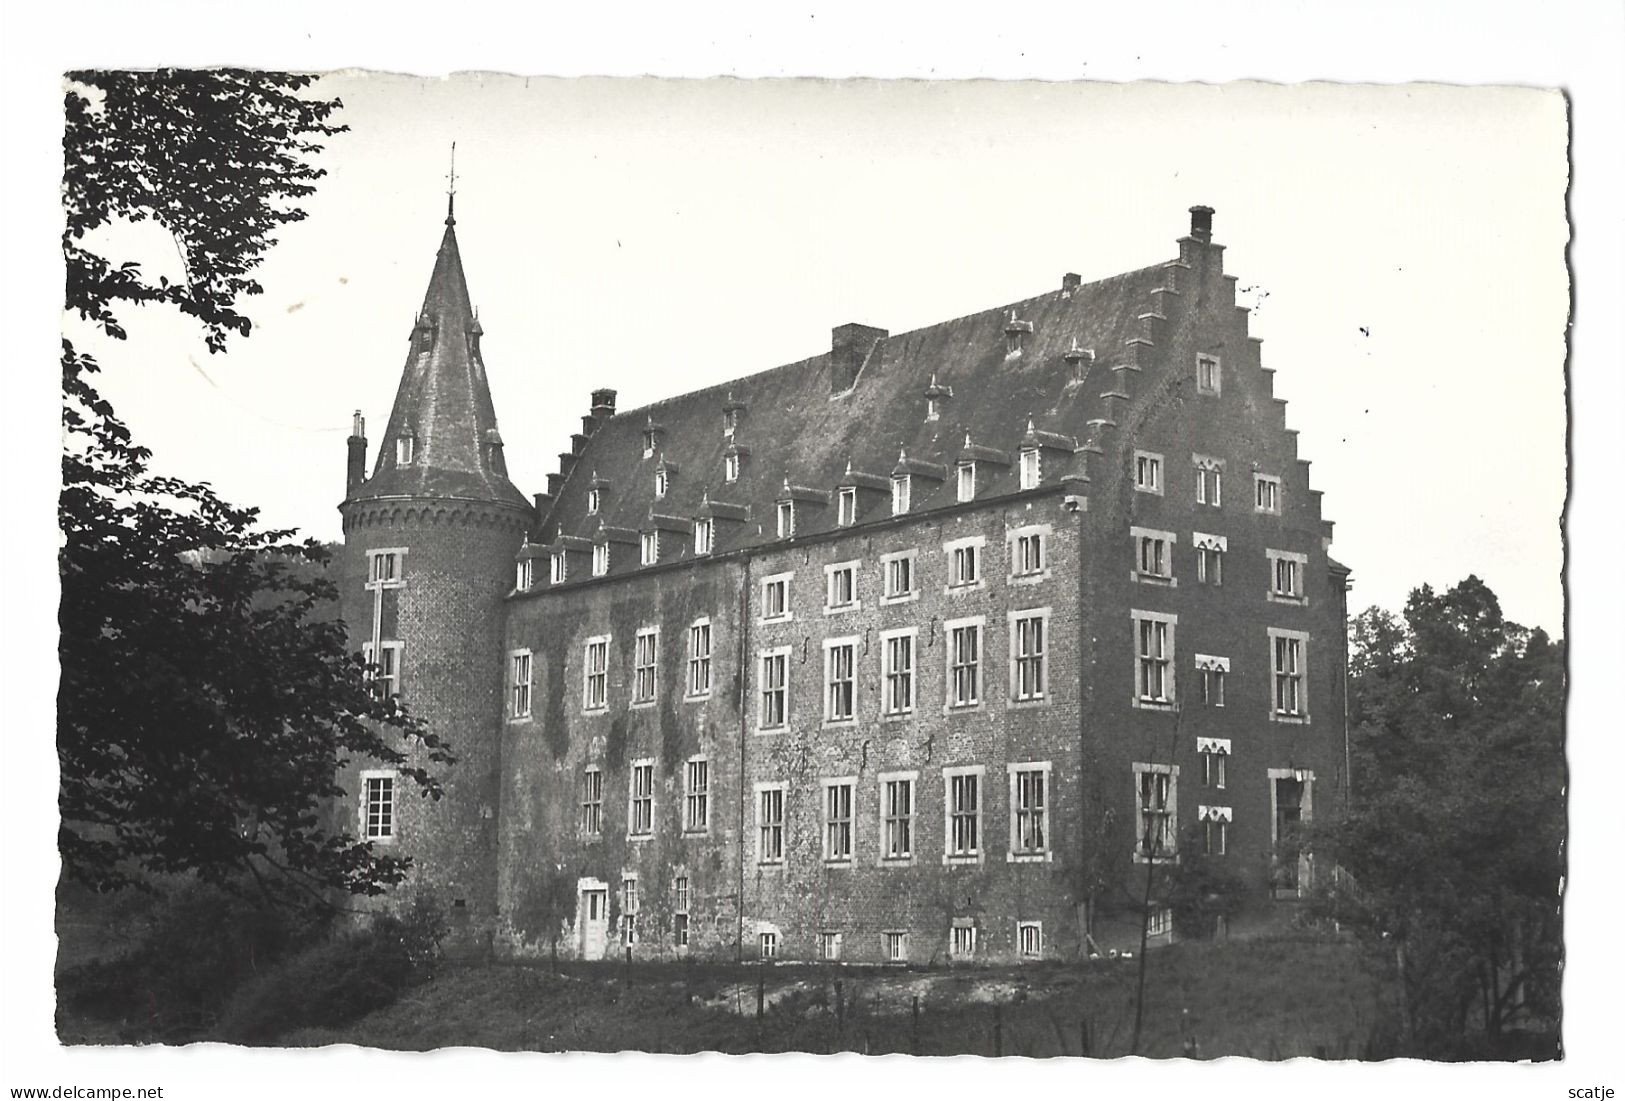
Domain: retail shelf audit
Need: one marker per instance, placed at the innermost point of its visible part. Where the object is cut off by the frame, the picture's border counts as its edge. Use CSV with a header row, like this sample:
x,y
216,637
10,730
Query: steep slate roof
x,y
796,430
444,401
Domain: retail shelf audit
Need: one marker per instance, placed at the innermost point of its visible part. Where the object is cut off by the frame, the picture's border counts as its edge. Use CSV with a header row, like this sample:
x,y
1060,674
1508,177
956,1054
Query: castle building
x,y
935,646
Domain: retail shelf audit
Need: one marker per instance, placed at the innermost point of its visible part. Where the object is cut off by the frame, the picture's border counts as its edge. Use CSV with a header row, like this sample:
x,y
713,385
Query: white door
x,y
592,918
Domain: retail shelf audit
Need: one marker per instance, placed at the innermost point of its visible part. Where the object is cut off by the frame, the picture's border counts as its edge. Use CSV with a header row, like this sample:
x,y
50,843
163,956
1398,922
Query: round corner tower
x,y
430,541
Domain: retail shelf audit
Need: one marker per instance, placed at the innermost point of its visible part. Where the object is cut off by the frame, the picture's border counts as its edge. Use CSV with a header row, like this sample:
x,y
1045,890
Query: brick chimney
x,y
1202,223
849,347
355,470
603,404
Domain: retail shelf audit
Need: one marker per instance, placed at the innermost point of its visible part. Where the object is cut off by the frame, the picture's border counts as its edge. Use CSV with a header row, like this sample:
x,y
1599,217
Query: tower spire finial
x,y
451,188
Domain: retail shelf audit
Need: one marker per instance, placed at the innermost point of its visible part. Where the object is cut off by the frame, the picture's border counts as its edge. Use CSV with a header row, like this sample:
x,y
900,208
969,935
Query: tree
x,y
206,698
1453,846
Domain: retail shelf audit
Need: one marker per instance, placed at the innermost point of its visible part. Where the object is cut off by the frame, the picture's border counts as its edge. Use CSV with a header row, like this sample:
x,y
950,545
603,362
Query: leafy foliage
x,y
1454,844
218,158
207,694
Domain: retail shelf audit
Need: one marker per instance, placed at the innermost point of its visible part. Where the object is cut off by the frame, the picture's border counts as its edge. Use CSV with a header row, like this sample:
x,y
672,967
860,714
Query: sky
x,y
1402,248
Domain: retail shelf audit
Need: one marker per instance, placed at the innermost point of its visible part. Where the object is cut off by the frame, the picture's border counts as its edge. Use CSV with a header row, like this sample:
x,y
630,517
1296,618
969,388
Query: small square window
x,y
829,947
895,945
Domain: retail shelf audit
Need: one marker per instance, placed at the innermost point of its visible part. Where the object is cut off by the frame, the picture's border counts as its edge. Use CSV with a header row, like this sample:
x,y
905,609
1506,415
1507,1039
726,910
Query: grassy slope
x,y
1274,998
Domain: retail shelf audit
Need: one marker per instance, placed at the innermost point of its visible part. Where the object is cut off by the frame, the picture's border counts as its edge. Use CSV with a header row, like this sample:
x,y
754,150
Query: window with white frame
x,y
775,689
696,795
786,519
595,499
964,662
1147,472
776,597
1208,378
1030,939
1029,677
703,530
385,674
630,905
1209,480
558,567
770,824
404,450
592,800
377,806
896,816
1215,755
962,939
640,807
838,820
600,559
519,684
897,576
963,807
662,482
385,568
841,586
1029,810
840,680
1215,830
644,649
525,575
829,946
699,658
1287,655
1213,671
846,506
1287,570
897,671
1027,553
901,490
649,547
1154,554
1210,550
730,467
769,945
1266,493
964,562
965,481
1159,922
1156,790
1154,657
894,944
595,694
1028,473
681,895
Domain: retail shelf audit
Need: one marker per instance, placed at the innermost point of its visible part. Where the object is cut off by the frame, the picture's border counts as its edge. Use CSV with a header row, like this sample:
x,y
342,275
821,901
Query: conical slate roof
x,y
444,402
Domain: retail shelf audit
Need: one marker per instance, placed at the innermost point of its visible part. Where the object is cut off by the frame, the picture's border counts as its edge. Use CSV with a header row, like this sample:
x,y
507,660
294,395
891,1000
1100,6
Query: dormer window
x,y
787,519
558,569
900,487
702,537
526,574
935,395
1029,468
1015,334
933,408
846,506
600,559
651,439
649,546
965,482
730,421
595,500
404,447
662,480
730,467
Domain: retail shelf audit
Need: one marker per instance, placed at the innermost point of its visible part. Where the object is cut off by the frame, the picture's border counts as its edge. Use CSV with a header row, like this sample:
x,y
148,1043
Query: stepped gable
x,y
1003,367
444,402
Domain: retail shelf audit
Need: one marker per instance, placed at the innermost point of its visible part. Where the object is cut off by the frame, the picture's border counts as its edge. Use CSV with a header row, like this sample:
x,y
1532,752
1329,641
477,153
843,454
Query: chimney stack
x,y
355,471
849,347
603,404
1070,282
1202,223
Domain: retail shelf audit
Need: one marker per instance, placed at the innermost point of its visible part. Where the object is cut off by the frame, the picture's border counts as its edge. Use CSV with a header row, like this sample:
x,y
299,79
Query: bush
x,y
200,943
341,980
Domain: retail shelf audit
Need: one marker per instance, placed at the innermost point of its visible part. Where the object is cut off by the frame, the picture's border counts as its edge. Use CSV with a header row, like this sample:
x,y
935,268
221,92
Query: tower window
x,y
403,450
595,499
